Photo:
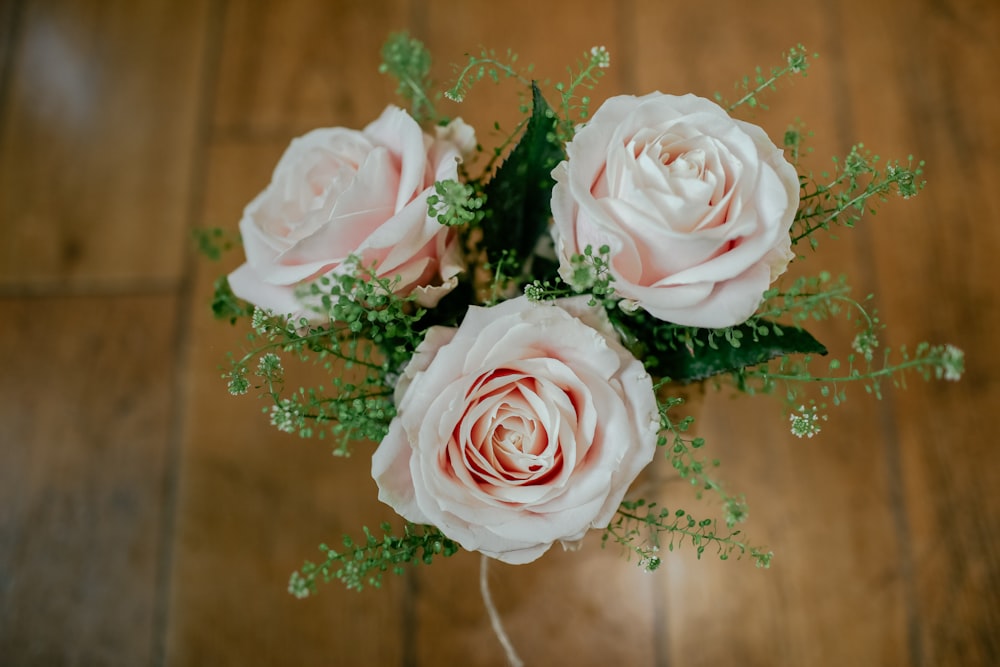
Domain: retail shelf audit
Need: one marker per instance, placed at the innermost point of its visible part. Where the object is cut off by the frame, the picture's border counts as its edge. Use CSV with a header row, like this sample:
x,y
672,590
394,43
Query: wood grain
x,y
290,67
86,420
147,517
98,138
248,489
947,458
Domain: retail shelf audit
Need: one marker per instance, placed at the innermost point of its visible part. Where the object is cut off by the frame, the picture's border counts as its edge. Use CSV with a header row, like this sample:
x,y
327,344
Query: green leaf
x,y
690,355
724,357
518,196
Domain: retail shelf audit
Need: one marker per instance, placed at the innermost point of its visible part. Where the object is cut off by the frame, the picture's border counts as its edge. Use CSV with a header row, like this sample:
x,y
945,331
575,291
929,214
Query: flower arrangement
x,y
517,328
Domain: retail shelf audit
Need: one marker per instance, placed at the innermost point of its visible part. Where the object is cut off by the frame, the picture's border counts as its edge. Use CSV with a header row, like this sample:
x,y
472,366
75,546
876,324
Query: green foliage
x,y
590,273
856,186
819,298
456,204
486,65
369,331
520,192
409,62
793,376
794,141
572,106
815,298
684,354
639,527
750,88
576,108
689,354
226,305
362,563
213,242
682,452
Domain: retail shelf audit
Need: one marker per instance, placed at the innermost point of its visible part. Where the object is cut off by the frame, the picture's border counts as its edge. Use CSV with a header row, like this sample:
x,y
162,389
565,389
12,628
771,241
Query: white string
x,y
484,588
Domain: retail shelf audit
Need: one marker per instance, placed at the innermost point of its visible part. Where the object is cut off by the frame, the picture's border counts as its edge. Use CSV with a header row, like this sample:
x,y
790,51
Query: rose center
x,y
510,440
686,165
516,449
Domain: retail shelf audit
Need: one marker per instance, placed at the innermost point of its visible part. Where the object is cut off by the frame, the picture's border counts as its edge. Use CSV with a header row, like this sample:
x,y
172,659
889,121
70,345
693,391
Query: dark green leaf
x,y
518,195
690,355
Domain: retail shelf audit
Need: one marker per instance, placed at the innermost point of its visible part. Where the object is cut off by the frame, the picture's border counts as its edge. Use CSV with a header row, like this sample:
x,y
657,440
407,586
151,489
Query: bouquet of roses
x,y
517,336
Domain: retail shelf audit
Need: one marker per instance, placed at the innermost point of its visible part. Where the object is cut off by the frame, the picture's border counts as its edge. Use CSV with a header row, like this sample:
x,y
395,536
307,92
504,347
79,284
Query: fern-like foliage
x,y
360,563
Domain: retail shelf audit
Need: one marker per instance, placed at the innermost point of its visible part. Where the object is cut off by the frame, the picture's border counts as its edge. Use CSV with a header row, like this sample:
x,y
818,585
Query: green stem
x,y
835,212
759,89
888,370
688,532
479,62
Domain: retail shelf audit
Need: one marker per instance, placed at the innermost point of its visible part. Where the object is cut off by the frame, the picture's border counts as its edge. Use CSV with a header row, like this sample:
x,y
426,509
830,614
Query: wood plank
x,y
98,130
938,285
255,503
584,606
290,67
833,595
85,416
10,14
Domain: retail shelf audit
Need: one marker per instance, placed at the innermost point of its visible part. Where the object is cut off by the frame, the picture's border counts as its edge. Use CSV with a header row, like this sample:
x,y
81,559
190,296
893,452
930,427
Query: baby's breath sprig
x,y
942,362
213,242
821,297
681,452
576,108
796,61
638,526
362,563
409,62
805,422
794,141
370,332
226,305
364,308
351,411
547,290
507,270
590,273
486,64
456,204
858,183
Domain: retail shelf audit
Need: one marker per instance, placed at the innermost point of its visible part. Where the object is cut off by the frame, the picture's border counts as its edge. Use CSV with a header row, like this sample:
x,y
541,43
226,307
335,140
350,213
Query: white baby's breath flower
x,y
600,56
283,416
952,363
864,344
805,422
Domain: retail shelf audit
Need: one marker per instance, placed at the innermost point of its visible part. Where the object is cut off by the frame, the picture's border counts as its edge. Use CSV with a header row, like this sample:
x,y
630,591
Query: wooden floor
x,y
146,517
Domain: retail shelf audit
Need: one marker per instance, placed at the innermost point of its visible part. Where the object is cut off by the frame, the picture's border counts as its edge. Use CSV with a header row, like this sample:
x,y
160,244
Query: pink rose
x,y
338,192
524,426
695,206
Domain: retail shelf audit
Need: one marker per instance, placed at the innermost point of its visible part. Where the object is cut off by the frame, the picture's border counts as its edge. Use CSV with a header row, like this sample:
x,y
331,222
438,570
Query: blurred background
x,y
148,518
